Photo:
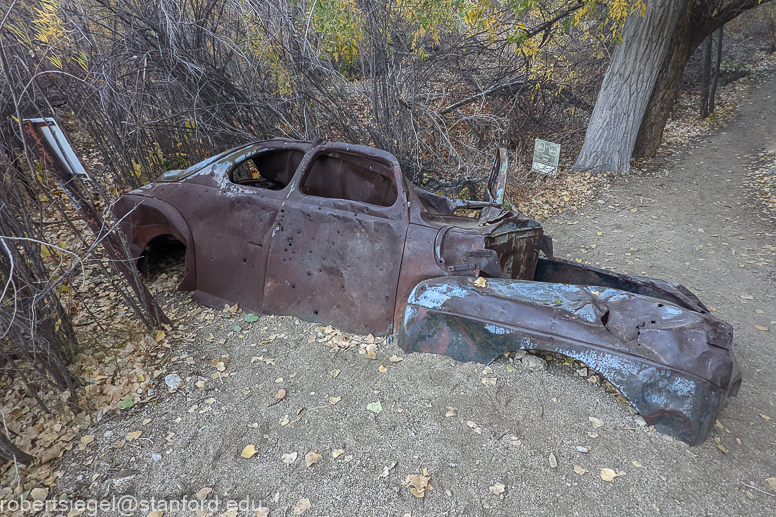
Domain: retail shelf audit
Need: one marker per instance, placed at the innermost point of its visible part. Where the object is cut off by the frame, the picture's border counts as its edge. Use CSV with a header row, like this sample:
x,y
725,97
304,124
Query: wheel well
x,y
166,254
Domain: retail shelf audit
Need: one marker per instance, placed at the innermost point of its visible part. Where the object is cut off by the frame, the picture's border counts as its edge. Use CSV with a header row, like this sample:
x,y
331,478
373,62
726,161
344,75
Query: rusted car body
x,y
334,233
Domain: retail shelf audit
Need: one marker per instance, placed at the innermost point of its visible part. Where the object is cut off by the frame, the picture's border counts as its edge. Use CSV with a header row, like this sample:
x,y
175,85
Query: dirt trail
x,y
689,223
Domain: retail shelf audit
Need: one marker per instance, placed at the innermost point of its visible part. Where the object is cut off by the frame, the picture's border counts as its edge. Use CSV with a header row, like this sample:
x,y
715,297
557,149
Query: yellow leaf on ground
x,y
89,438
480,282
765,417
579,470
336,453
203,493
159,336
334,400
383,369
760,327
39,494
302,506
596,422
609,474
248,452
396,359
131,436
498,488
419,484
772,483
311,458
156,513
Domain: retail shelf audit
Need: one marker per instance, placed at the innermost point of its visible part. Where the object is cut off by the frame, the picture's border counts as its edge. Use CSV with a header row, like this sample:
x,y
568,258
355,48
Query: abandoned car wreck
x,y
334,233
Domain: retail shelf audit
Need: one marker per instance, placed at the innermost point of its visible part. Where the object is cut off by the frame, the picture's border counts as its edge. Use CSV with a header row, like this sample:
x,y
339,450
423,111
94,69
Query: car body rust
x,y
334,233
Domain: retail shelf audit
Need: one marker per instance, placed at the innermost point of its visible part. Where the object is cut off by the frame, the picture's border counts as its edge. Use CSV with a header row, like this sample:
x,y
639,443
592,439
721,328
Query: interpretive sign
x,y
545,158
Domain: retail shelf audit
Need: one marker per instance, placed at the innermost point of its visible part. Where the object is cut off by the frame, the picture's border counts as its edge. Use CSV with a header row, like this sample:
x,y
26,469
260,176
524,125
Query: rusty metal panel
x,y
333,257
660,356
566,272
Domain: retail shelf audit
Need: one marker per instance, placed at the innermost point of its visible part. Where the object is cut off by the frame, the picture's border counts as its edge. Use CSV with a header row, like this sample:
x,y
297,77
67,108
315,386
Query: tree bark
x,y
694,25
706,78
713,92
627,88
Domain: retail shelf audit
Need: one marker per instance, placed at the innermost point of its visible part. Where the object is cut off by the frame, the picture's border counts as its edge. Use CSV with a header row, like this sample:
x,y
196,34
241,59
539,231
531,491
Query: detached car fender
x,y
673,364
143,219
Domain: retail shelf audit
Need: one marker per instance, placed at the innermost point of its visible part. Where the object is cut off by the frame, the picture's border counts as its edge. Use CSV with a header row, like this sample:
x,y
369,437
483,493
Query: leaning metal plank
x,y
674,365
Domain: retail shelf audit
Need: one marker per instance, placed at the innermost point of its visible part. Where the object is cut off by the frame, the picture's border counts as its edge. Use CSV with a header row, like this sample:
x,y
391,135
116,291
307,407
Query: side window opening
x,y
271,170
353,178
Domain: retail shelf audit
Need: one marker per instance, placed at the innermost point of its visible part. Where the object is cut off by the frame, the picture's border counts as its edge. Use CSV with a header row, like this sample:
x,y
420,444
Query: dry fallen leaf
x,y
596,422
451,411
498,488
765,417
280,395
131,436
760,327
396,359
722,448
772,483
383,369
311,458
289,458
203,493
248,452
609,474
302,506
86,440
159,336
156,513
481,282
333,400
419,483
336,453
579,470
39,494
261,512
746,296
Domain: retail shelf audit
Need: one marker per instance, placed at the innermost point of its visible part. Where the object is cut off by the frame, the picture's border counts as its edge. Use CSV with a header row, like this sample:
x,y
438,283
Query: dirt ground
x,y
512,439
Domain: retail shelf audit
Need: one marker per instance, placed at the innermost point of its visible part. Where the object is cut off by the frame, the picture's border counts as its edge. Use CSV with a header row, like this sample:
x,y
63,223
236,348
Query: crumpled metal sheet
x,y
672,363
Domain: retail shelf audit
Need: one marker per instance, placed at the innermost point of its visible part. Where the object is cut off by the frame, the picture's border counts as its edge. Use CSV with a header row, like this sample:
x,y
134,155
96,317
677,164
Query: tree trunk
x,y
706,78
627,88
695,25
713,92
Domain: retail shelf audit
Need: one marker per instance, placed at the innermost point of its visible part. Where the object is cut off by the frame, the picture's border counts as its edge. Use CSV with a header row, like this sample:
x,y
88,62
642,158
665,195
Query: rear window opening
x,y
270,170
164,259
352,178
